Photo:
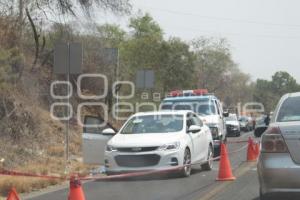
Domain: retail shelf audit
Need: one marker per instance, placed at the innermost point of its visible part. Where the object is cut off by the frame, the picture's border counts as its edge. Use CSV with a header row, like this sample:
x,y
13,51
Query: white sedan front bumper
x,y
120,162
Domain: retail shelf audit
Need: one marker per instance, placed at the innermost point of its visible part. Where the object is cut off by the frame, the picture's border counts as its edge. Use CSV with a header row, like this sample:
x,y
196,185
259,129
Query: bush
x,y
10,66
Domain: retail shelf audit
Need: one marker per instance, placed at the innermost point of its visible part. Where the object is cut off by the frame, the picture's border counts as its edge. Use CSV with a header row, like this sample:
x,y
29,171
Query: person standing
x,y
267,120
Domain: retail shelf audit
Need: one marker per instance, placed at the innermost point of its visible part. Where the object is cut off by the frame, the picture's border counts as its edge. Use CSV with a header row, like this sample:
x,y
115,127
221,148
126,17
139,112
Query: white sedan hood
x,y
144,140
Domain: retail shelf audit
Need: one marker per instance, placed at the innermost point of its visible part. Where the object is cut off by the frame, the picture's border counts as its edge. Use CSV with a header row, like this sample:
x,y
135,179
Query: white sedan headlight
x,y
171,146
110,148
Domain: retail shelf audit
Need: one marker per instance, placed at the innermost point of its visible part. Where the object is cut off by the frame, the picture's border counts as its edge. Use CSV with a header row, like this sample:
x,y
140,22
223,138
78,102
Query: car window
x,y
231,118
243,119
201,107
289,110
189,120
154,124
260,121
92,125
206,109
218,109
197,121
184,106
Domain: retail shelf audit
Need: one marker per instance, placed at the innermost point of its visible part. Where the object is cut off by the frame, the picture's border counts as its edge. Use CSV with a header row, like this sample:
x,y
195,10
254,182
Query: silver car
x,y
279,161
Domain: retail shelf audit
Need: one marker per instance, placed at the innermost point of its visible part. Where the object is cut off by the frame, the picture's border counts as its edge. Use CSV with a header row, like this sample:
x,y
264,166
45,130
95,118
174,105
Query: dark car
x,y
261,126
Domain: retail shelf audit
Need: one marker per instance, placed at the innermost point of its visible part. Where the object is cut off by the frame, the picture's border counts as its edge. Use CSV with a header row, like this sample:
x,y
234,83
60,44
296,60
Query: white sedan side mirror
x,y
194,129
108,131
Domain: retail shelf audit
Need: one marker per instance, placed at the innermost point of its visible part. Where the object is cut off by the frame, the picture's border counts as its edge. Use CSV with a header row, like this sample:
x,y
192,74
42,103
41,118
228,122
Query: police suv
x,y
206,105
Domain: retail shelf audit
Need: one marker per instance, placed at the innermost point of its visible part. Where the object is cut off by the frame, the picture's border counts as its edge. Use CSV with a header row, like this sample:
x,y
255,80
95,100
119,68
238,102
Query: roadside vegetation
x,y
30,141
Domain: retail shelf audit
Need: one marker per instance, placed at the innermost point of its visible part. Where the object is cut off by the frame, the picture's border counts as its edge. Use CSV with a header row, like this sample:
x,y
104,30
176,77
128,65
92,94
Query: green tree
x,y
216,71
142,49
145,26
213,63
239,88
171,60
177,69
264,94
111,35
269,92
283,82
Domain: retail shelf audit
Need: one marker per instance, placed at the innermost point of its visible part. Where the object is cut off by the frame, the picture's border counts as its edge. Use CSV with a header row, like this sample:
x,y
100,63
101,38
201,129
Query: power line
x,y
238,34
223,18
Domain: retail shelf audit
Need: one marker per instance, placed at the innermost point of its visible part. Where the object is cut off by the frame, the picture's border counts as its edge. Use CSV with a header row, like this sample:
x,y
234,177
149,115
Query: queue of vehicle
x,y
185,133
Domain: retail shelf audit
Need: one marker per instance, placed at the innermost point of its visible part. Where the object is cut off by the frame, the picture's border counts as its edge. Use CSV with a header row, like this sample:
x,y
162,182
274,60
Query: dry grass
x,y
39,150
27,184
53,167
24,185
50,162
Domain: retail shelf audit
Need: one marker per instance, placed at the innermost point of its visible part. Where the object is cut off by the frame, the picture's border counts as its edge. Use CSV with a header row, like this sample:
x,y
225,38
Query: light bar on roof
x,y
197,92
188,92
200,91
176,93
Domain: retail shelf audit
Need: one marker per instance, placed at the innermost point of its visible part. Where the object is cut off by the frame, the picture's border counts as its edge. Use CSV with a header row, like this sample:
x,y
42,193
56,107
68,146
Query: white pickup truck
x,y
206,105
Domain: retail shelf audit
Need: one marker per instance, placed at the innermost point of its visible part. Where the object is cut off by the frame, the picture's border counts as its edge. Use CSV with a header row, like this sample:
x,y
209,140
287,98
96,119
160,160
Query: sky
x,y
264,34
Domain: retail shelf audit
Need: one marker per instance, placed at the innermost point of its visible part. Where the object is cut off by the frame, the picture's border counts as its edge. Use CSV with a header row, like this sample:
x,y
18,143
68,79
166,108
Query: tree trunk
x,y
20,21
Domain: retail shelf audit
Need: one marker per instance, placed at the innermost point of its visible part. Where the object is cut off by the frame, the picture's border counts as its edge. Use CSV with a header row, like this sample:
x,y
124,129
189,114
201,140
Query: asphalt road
x,y
200,186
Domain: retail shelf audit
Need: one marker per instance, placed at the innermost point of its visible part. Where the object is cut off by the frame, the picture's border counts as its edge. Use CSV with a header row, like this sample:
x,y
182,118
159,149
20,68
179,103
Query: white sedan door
x,y
94,141
201,139
196,138
222,125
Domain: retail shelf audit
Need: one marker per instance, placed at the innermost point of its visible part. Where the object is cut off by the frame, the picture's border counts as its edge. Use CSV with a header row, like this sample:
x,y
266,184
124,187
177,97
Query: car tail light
x,y
273,142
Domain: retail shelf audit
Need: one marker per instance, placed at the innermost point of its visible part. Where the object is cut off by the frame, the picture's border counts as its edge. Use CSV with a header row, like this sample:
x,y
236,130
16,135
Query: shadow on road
x,y
281,197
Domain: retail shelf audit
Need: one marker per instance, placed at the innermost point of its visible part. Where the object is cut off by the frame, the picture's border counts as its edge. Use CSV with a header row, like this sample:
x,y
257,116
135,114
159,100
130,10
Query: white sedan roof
x,y
164,112
296,94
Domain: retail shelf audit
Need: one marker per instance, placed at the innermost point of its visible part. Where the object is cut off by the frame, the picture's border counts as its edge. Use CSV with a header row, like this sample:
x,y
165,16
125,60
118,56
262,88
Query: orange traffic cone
x,y
225,172
251,151
257,149
76,192
13,195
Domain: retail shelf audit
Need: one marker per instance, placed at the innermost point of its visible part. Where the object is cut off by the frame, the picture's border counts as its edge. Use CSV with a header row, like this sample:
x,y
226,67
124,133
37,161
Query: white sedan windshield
x,y
154,124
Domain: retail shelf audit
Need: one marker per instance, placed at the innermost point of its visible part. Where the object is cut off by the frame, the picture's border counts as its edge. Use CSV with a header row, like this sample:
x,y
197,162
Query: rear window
x,y
231,118
243,119
289,110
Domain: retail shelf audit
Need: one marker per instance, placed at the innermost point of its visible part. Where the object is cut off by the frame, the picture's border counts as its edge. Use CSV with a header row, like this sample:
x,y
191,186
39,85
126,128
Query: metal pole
x,y
68,124
68,112
117,77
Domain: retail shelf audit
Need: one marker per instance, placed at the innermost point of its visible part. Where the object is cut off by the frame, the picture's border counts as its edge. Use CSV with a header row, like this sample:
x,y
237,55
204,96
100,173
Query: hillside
x,y
30,140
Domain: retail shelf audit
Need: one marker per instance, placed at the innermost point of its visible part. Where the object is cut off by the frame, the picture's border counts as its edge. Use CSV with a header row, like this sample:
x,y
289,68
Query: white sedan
x,y
159,140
